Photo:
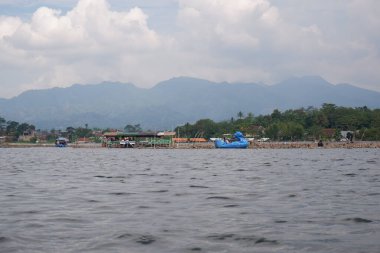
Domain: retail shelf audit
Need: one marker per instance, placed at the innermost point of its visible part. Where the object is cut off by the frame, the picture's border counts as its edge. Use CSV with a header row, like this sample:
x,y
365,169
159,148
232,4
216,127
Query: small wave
x,y
143,207
374,179
146,239
159,191
143,174
249,238
255,178
182,194
358,220
141,239
266,241
29,212
220,237
218,197
122,236
93,201
233,205
34,225
109,177
68,220
198,186
351,174
196,249
329,240
4,239
120,193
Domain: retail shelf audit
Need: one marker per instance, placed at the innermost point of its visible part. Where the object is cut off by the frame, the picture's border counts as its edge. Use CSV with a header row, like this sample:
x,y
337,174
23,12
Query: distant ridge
x,y
174,102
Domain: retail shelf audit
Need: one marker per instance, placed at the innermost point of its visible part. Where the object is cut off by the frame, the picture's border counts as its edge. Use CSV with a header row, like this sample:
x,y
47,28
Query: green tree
x,y
24,127
132,128
3,126
315,131
71,134
11,128
276,115
206,128
295,124
272,131
370,134
296,131
329,110
83,132
320,119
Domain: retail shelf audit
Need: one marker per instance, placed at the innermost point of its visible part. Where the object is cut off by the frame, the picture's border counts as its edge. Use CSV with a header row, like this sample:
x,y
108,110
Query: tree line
x,y
14,128
309,123
291,125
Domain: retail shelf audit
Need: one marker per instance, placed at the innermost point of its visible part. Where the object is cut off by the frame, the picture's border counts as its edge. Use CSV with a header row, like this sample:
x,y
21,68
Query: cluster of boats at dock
x,y
237,142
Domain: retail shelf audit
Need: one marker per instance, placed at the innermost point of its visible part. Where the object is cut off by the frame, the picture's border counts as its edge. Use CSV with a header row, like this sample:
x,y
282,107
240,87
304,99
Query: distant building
x,y
83,140
27,136
197,140
180,140
328,133
97,133
119,139
42,136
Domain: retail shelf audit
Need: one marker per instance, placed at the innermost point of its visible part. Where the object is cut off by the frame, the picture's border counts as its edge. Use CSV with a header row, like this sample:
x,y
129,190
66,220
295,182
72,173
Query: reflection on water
x,y
111,200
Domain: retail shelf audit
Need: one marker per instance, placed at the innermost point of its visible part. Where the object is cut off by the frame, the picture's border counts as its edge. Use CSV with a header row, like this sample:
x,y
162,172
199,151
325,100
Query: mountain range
x,y
174,102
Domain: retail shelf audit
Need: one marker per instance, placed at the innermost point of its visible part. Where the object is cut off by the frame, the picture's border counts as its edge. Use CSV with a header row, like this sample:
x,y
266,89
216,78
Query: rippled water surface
x,y
134,200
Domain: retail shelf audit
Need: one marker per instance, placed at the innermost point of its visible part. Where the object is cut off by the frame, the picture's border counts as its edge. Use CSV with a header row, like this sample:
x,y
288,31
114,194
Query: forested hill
x,y
174,102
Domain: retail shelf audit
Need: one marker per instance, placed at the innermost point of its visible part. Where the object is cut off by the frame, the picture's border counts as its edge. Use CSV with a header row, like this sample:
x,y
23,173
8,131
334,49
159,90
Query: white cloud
x,y
87,44
257,40
220,40
248,37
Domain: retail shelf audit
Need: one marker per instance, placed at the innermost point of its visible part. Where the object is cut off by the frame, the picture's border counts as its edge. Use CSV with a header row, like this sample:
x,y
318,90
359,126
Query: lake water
x,y
145,200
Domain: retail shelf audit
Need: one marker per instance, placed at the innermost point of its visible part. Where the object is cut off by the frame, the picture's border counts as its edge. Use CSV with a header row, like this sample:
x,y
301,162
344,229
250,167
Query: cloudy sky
x,y
56,43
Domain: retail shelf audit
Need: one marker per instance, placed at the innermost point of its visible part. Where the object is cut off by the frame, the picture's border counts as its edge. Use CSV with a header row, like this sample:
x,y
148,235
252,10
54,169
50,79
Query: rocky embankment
x,y
356,144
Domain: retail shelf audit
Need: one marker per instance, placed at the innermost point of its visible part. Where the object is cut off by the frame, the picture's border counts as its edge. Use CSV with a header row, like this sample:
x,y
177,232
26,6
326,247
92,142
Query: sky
x,y
45,44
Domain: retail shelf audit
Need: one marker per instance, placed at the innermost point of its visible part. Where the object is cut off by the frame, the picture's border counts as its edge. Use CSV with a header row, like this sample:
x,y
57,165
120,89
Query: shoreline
x,y
210,145
313,145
